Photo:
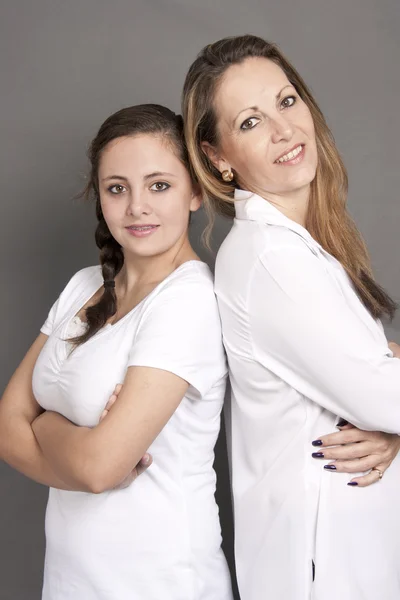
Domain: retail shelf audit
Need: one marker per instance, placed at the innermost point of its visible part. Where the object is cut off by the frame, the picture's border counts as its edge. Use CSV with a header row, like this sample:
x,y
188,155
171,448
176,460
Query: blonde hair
x,y
328,220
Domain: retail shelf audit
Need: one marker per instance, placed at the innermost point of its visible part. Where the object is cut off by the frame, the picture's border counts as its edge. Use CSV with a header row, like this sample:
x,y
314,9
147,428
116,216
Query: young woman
x,y
300,314
146,317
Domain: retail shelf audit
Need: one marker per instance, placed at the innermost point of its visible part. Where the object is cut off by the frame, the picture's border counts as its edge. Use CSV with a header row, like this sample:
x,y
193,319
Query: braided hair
x,y
140,119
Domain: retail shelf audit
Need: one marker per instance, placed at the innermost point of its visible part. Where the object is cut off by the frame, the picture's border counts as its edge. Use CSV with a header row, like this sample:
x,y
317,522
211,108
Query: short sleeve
x,y
76,286
48,325
180,332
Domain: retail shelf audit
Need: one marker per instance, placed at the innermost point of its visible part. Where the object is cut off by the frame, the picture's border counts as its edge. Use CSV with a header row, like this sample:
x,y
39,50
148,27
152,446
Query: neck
x,y
148,270
293,205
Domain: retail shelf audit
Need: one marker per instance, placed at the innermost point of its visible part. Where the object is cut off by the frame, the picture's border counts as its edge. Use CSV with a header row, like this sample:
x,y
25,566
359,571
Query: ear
x,y
197,199
214,157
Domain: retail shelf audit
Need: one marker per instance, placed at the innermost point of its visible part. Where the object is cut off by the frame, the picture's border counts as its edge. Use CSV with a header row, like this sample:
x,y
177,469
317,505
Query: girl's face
x,y
266,131
146,194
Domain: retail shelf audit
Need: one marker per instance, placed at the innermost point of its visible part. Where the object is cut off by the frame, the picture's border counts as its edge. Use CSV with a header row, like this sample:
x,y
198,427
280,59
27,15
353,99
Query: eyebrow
x,y
146,177
158,174
255,108
121,177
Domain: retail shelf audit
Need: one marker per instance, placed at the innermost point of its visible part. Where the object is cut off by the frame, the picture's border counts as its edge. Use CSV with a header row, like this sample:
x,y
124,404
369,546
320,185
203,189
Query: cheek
x,y
112,214
253,160
172,213
113,208
248,155
309,125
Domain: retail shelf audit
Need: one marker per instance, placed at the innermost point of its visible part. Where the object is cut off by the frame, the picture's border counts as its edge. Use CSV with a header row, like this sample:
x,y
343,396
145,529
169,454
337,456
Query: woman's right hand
x,y
145,461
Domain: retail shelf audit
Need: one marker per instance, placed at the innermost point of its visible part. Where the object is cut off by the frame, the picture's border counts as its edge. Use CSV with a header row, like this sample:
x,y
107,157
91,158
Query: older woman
x,y
300,313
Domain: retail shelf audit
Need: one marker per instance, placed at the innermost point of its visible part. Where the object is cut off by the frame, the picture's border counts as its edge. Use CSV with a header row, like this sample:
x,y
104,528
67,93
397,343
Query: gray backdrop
x,y
66,66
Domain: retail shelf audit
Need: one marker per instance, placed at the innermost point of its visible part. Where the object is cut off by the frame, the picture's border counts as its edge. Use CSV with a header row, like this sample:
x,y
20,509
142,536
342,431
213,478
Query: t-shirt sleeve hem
x,y
177,370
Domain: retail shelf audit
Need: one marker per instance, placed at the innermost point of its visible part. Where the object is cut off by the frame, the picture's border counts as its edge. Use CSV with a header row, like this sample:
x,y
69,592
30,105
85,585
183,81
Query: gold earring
x,y
227,175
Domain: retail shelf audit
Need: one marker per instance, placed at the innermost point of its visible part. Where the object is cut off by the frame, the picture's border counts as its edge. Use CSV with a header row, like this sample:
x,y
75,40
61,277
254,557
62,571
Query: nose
x,y
282,129
138,205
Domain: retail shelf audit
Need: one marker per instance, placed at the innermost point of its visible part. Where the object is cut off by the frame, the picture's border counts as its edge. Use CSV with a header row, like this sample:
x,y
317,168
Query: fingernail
x,y
317,455
352,483
330,467
342,423
317,443
146,458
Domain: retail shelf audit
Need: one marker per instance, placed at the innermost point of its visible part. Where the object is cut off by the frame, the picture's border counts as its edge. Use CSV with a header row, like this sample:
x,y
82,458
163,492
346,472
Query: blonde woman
x,y
300,314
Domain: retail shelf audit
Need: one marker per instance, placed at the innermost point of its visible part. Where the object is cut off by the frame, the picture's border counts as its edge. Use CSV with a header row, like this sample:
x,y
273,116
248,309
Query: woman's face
x,y
266,132
146,194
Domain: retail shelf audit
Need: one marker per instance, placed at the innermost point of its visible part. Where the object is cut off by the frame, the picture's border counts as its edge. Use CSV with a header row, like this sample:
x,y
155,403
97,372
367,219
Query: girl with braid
x,y
146,317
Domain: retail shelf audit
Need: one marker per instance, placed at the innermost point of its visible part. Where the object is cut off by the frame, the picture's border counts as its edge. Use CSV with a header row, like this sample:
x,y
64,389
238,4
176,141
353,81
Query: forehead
x,y
248,83
142,153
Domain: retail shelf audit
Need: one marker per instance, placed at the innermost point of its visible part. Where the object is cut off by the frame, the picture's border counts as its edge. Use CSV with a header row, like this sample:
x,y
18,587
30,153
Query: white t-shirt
x,y
303,350
158,539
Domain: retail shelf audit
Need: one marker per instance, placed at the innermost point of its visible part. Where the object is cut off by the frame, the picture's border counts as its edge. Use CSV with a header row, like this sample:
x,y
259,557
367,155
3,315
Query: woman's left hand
x,y
356,451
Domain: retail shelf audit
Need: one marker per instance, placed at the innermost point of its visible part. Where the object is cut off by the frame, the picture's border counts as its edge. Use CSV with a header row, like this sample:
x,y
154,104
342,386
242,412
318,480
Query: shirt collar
x,y
251,207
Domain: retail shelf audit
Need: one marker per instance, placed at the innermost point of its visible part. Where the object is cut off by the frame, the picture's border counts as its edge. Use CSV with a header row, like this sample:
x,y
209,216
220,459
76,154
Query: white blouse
x,y
303,350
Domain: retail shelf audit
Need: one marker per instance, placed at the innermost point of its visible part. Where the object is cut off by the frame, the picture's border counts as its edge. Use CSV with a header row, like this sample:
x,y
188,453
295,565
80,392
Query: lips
x,y
142,231
141,227
290,154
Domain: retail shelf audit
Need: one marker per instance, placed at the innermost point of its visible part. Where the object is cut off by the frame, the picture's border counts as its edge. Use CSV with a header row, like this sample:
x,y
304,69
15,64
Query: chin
x,y
303,178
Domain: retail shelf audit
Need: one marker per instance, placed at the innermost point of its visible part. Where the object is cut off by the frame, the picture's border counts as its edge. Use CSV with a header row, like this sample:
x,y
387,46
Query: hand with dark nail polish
x,y
317,455
330,467
342,423
317,443
352,483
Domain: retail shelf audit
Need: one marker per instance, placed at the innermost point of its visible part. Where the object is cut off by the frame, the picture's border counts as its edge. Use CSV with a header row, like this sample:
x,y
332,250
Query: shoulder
x,y
251,244
76,288
81,279
185,296
192,272
193,280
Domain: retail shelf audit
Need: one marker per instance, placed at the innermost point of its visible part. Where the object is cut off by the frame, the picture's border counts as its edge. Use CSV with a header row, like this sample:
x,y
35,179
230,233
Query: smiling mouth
x,y
290,155
142,227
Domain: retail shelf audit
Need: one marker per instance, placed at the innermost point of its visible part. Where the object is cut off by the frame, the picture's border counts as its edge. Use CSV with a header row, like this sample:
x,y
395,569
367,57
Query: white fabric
x,y
303,350
159,539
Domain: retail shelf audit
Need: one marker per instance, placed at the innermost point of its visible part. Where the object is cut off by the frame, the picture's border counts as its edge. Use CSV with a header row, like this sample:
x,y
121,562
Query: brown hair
x,y
327,220
141,119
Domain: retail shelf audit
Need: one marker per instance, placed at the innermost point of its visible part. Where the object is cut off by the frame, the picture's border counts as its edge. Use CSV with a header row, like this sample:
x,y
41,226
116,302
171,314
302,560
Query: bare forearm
x,y
63,444
22,452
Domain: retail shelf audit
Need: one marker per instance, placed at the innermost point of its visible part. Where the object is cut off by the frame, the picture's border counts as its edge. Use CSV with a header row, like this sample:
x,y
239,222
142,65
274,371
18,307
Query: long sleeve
x,y
305,331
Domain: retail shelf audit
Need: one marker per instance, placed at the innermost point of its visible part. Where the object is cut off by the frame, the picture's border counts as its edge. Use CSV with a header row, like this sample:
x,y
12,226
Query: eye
x,y
160,186
117,189
288,101
250,123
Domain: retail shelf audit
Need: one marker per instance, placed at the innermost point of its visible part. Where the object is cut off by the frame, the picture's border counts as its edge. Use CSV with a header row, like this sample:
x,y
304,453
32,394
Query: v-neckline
x,y
111,326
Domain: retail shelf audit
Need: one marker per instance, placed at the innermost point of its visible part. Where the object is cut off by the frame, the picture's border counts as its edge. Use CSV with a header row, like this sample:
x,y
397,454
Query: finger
x,y
345,427
345,452
144,464
111,401
103,415
118,388
353,466
347,436
365,480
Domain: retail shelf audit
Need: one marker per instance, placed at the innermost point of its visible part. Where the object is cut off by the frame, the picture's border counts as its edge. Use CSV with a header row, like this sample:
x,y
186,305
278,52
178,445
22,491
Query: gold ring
x,y
380,472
